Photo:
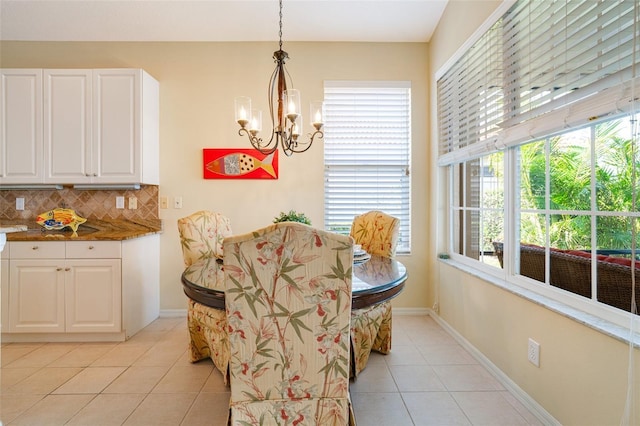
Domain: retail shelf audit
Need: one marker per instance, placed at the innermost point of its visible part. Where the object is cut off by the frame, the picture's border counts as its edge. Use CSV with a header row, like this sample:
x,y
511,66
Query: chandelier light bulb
x,y
256,122
317,114
296,128
243,109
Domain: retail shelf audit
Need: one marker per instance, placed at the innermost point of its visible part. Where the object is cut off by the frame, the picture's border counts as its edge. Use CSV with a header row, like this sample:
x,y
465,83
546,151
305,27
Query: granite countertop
x,y
91,230
8,228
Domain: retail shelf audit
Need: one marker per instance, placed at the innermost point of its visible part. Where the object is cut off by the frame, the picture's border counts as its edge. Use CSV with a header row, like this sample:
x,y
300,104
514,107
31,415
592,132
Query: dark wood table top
x,y
374,281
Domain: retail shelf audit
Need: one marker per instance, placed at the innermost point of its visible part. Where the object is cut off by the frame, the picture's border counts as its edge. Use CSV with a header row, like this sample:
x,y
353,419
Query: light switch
x,y
133,203
177,203
19,203
119,202
164,202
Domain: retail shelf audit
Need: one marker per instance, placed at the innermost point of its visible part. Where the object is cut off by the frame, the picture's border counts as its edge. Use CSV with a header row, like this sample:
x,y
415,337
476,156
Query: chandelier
x,y
284,109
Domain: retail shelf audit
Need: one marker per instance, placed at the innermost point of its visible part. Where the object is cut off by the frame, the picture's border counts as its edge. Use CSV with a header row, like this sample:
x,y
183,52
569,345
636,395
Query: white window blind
x,y
542,67
367,139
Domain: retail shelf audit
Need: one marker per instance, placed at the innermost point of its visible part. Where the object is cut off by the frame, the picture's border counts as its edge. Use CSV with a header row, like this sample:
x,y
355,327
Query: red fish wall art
x,y
237,163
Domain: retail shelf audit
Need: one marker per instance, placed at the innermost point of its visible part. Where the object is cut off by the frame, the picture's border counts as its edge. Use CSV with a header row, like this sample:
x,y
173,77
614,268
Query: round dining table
x,y
375,280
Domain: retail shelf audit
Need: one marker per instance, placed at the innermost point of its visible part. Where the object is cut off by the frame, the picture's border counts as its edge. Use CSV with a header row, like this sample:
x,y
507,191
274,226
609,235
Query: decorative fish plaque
x,y
57,219
238,163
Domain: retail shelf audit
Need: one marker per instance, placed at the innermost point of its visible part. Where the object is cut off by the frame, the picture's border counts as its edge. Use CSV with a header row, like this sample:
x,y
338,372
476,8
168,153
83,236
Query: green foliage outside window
x,y
570,188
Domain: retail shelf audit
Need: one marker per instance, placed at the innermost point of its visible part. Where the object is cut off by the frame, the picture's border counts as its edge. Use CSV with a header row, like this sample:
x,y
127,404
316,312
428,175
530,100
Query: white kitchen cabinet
x,y
80,290
65,287
125,127
92,295
84,126
93,286
67,126
21,147
36,296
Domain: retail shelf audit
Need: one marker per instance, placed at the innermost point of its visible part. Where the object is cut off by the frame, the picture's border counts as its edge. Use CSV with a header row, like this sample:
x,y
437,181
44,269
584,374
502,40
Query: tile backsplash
x,y
98,204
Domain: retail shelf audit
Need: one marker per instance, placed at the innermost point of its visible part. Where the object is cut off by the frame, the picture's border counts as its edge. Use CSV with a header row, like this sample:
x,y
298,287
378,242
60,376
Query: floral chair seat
x,y
201,236
288,301
377,233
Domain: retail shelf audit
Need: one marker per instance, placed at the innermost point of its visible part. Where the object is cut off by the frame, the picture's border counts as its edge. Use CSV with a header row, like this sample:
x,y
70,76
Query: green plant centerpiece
x,y
292,216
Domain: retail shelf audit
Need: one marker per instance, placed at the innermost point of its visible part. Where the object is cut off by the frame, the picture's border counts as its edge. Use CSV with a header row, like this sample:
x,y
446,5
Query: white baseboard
x,y
410,311
536,409
173,313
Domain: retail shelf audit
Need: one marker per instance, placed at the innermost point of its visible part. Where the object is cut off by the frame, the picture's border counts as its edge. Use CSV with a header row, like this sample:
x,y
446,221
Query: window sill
x,y
606,327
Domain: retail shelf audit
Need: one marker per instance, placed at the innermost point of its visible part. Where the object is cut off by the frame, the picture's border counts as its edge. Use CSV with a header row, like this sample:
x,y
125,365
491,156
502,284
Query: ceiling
x,y
216,20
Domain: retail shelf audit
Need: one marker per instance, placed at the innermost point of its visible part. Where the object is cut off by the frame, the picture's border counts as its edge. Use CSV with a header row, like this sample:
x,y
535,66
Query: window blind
x,y
367,139
542,67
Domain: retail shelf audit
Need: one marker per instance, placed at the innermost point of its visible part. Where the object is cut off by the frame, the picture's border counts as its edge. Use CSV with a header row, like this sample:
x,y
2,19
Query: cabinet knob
x,y
67,269
58,269
95,174
34,248
91,247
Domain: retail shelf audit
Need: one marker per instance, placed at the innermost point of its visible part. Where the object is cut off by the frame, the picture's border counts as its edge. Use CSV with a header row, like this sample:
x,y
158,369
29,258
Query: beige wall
x,y
198,83
582,379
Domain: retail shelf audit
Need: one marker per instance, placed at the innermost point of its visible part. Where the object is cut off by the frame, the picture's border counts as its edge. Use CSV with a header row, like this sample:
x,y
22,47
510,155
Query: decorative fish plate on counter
x,y
57,219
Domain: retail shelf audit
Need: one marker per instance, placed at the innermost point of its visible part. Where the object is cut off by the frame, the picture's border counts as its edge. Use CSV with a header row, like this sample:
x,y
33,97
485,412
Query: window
x,y
538,129
478,207
367,139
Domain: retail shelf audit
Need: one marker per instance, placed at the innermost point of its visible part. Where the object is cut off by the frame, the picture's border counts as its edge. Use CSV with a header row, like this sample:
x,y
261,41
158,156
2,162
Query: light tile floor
x,y
427,379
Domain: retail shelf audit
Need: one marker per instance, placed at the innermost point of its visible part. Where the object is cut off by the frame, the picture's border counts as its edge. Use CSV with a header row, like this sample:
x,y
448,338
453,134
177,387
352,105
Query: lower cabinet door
x,y
93,295
36,296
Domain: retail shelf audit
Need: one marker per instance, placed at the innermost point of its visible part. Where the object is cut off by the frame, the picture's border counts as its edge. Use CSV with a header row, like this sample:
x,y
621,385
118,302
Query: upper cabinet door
x,y
125,126
21,153
67,126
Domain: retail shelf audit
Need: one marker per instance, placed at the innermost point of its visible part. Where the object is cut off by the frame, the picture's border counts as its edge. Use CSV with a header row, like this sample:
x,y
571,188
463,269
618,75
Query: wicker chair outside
x,y
614,285
572,272
531,260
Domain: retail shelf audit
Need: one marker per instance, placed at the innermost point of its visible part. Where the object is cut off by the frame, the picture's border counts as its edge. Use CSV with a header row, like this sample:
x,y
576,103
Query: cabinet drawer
x,y
94,250
37,250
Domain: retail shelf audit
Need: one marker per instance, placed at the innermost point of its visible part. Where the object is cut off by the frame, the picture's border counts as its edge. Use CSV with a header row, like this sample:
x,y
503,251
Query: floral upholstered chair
x,y
288,300
378,233
201,236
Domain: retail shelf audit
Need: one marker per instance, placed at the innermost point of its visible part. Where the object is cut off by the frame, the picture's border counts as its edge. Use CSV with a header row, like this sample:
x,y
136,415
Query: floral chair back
x,y
288,301
201,235
377,232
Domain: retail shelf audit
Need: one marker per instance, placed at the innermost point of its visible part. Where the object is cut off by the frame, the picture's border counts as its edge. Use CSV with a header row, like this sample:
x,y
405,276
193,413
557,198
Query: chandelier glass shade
x,y
284,111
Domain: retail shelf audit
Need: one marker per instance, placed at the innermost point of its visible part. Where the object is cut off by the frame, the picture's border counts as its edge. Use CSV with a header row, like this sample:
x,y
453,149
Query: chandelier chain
x,y
280,32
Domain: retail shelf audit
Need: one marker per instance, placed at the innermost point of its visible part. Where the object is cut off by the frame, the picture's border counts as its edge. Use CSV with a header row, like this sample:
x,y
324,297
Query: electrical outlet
x,y
119,202
533,352
177,203
164,202
19,203
133,203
